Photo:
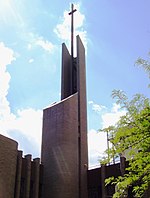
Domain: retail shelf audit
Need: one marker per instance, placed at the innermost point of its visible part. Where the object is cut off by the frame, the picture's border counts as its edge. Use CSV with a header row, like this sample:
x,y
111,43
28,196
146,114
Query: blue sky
x,y
115,33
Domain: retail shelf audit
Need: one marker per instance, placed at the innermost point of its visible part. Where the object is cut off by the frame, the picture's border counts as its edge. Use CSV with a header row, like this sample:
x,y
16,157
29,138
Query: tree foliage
x,y
145,64
130,137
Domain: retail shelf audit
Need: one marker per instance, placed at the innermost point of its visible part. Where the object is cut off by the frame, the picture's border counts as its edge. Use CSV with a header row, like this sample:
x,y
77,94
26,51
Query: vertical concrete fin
x,y
36,163
28,175
18,174
122,165
66,78
103,176
82,118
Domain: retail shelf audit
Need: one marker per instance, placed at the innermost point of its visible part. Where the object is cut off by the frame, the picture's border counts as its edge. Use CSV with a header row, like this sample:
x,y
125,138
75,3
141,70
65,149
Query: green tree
x,y
130,137
145,64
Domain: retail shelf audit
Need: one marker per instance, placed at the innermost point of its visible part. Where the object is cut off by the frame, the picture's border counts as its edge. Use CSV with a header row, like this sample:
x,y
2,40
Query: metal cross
x,y
72,28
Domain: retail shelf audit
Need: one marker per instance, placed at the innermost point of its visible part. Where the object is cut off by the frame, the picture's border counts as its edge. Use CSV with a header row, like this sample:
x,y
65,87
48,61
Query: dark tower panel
x,y
82,117
66,78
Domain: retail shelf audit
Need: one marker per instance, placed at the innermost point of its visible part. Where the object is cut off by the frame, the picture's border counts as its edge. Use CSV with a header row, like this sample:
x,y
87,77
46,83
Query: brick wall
x,y
60,149
8,160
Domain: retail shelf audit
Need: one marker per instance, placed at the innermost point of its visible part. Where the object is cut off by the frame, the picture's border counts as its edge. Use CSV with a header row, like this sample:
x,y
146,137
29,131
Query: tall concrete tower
x,y
64,138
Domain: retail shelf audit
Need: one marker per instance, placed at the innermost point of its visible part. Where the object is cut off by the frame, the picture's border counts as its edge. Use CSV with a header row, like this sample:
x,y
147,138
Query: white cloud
x,y
63,29
35,40
97,144
90,102
112,117
27,121
29,46
96,107
6,57
31,60
97,141
46,45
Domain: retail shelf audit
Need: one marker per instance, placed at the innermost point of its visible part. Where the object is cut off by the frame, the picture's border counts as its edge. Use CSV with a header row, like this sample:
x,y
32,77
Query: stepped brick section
x,y
20,177
28,177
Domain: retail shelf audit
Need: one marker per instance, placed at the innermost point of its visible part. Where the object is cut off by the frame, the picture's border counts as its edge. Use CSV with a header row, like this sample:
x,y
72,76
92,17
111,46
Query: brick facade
x,y
20,177
59,149
8,161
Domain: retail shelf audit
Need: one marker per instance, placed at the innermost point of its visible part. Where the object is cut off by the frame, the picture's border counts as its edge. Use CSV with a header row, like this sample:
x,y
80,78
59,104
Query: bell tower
x,y
64,137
